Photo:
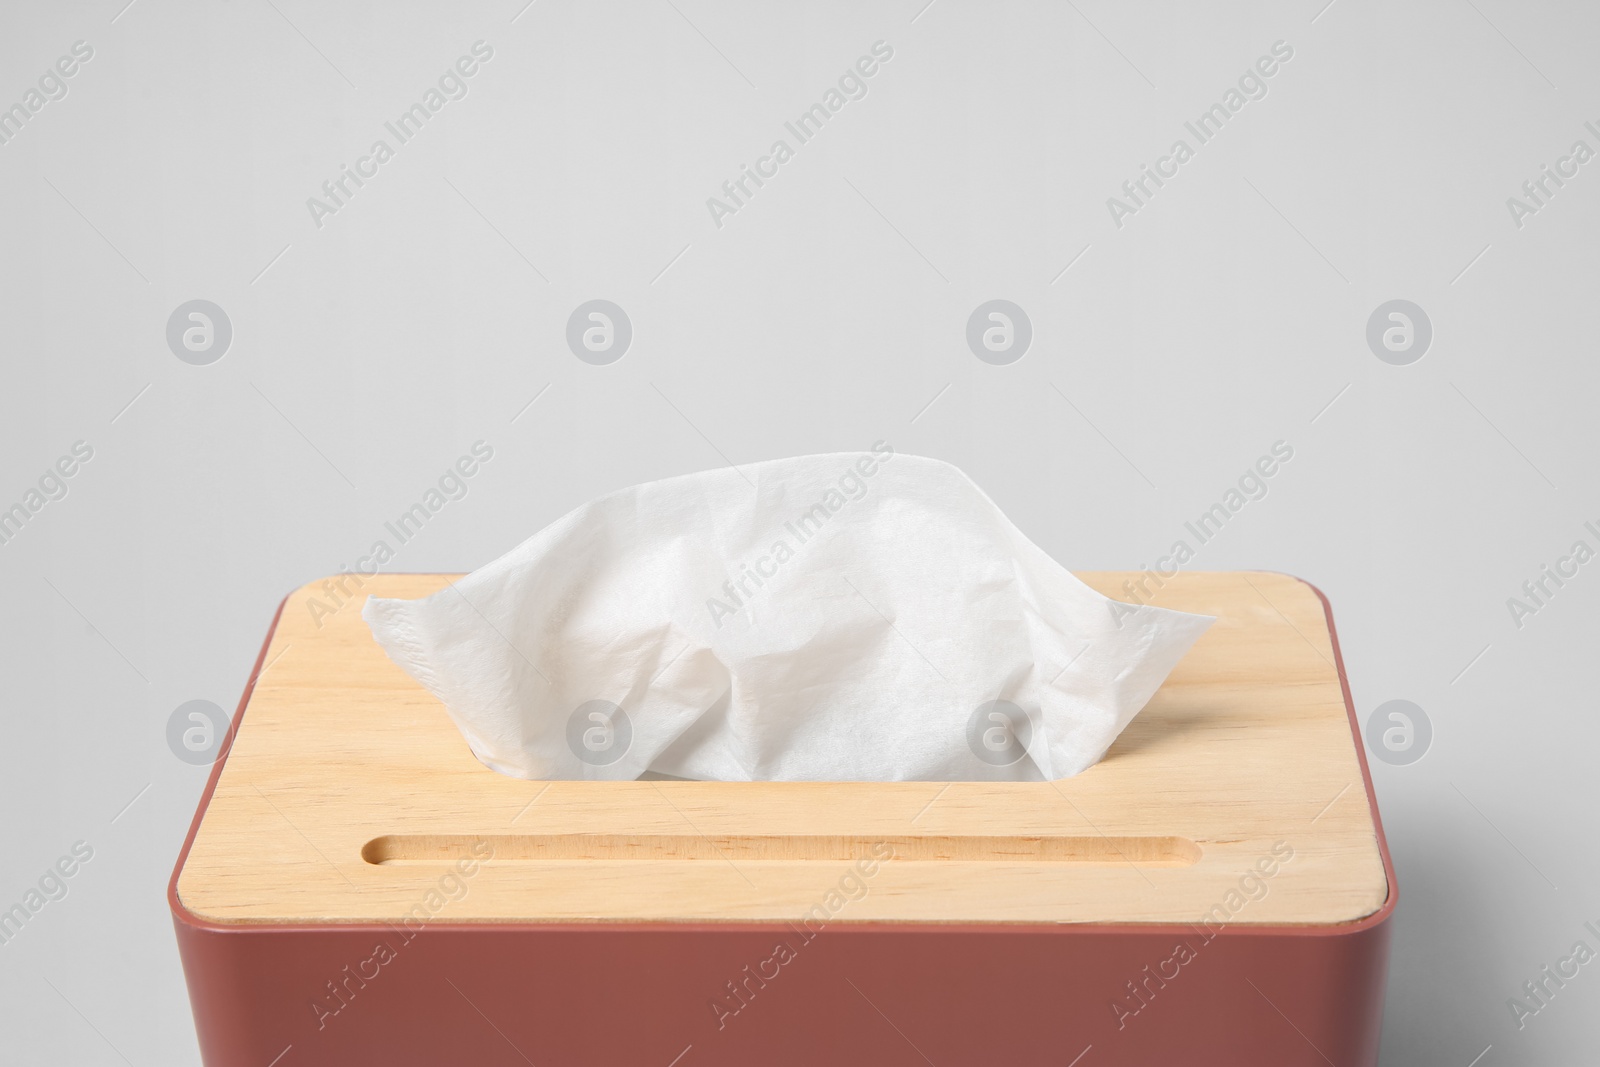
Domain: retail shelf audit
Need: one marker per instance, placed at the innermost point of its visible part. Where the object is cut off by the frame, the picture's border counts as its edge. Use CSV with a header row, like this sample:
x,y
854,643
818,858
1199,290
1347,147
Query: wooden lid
x,y
349,796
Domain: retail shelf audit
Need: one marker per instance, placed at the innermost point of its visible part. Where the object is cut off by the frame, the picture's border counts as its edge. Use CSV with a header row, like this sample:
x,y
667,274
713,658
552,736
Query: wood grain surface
x,y
349,796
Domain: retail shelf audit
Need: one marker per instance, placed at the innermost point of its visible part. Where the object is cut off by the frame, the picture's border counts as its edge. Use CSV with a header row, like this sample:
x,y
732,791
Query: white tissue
x,y
848,617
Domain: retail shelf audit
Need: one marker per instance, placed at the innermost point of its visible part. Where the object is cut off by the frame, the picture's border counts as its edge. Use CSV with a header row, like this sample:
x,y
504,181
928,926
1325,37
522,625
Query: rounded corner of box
x,y
1301,579
309,588
185,917
1370,917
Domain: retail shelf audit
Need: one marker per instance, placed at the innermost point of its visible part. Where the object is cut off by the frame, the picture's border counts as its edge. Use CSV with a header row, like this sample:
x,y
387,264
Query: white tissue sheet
x,y
850,617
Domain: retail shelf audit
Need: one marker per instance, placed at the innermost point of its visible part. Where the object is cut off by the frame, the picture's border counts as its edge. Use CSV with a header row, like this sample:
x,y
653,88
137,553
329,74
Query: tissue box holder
x,y
357,888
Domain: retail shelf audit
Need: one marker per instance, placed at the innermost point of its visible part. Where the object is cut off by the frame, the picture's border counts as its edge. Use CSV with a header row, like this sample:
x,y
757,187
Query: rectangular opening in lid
x,y
1142,850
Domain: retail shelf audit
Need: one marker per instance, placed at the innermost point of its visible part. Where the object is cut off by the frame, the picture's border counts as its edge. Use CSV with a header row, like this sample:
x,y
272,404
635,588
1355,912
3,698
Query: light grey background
x,y
1228,314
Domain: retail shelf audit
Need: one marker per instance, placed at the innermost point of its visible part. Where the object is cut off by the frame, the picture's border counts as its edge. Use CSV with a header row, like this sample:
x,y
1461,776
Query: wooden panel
x,y
350,796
